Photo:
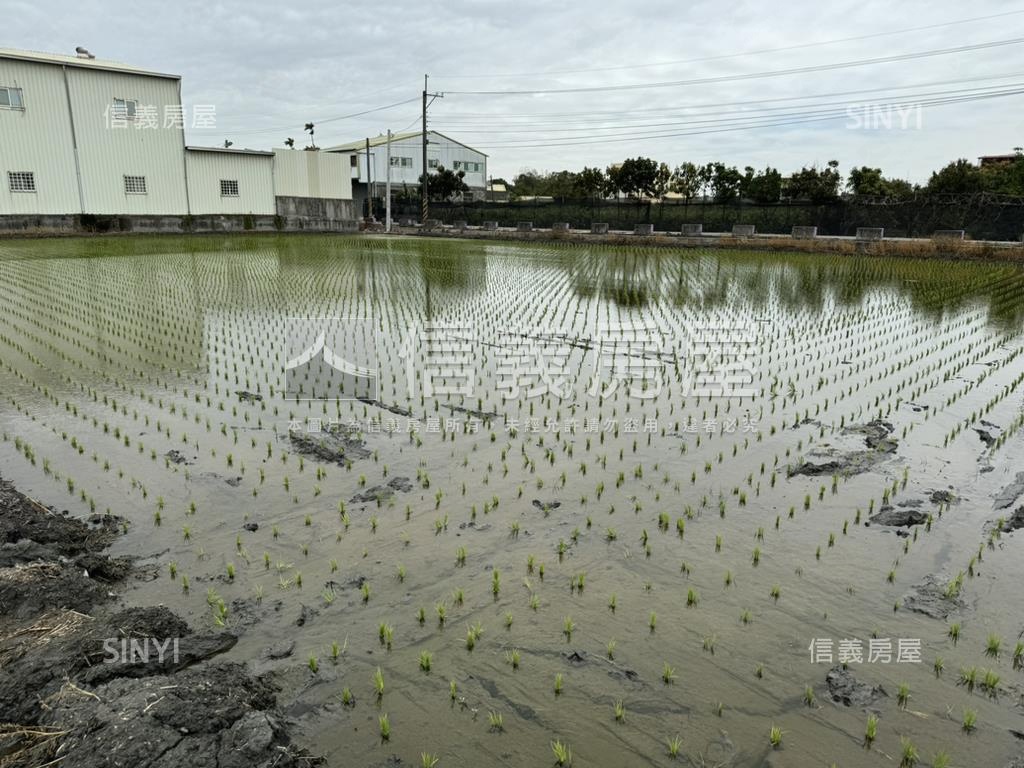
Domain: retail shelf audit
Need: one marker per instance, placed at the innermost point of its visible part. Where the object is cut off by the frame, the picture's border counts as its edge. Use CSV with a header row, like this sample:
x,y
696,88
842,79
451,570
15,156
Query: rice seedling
x,y
674,744
902,695
653,621
559,680
993,646
954,632
453,690
668,674
347,699
314,665
809,698
495,721
871,731
428,760
512,657
385,726
562,752
990,683
692,598
1018,656
775,593
378,682
970,721
620,711
365,591
775,737
908,753
968,678
568,627
940,760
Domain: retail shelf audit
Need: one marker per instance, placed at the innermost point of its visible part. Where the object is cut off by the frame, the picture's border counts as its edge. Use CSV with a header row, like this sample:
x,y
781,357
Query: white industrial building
x,y
371,171
83,136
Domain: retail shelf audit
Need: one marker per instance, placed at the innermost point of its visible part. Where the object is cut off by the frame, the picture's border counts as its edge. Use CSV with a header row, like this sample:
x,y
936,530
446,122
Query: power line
x,y
470,118
332,119
756,123
917,97
750,75
801,46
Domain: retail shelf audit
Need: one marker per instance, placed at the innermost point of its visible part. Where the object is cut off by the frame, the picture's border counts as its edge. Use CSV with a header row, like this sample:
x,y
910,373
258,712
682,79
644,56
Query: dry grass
x,y
28,745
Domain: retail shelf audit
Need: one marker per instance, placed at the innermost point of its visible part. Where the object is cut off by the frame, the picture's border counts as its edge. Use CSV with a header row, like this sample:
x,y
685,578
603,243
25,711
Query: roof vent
x,y
83,53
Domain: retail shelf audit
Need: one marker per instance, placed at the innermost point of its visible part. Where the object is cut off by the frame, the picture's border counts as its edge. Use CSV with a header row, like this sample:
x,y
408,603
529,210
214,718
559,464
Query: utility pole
x,y
424,191
387,190
369,185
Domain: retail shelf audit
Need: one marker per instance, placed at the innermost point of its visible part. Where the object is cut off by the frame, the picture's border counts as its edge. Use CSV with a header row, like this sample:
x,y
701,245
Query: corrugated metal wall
x,y
298,173
37,139
107,153
254,174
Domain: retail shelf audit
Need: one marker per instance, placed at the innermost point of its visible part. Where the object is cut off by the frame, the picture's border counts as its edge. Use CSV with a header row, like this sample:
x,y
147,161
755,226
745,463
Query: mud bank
x,y
83,683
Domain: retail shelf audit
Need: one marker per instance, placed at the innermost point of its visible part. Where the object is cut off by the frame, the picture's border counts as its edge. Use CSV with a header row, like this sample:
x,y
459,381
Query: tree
x,y
445,184
960,176
761,187
640,177
686,181
870,181
590,182
309,129
816,185
725,183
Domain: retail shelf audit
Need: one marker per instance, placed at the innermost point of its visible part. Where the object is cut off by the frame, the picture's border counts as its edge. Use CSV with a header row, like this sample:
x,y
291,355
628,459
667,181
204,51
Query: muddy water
x,y
147,377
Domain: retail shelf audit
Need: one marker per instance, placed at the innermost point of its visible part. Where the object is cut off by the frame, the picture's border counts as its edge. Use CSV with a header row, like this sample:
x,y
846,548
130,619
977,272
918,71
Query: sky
x,y
595,82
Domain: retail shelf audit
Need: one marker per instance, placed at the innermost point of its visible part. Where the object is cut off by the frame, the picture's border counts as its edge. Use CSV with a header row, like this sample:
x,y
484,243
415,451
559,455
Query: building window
x,y
124,109
135,185
354,161
433,163
462,165
11,98
229,187
21,181
401,162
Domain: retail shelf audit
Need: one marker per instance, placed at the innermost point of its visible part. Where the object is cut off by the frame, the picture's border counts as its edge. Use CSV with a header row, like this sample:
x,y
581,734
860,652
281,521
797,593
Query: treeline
x,y
645,178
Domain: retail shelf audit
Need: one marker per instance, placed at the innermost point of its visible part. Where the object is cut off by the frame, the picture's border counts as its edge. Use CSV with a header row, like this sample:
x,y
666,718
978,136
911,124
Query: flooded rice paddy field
x,y
635,573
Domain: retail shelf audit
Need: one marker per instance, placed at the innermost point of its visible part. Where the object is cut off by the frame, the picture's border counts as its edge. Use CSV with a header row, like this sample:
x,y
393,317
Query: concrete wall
x,y
298,173
316,208
37,139
254,174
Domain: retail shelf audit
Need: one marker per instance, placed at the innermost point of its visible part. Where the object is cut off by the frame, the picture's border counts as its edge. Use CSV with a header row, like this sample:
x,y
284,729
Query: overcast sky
x,y
270,67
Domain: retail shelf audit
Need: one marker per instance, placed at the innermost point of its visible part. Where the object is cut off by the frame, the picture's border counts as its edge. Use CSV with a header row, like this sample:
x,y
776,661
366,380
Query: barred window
x,y
135,185
229,187
21,181
11,98
401,162
124,109
433,162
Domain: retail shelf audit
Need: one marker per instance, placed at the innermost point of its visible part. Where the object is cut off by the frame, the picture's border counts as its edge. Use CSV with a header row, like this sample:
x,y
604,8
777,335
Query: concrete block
x,y
870,233
459,225
643,229
804,233
948,234
490,226
743,230
524,226
692,229
560,226
599,228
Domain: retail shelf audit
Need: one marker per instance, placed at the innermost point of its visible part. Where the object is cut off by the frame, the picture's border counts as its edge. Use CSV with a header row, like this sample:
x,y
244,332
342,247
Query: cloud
x,y
270,68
